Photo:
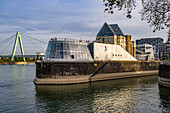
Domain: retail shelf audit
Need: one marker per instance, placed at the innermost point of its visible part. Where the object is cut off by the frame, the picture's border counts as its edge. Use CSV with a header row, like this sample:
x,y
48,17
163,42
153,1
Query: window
x,y
108,39
72,56
102,39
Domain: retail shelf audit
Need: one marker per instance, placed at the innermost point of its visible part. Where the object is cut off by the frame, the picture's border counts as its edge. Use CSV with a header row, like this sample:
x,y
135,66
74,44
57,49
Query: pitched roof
x,y
116,29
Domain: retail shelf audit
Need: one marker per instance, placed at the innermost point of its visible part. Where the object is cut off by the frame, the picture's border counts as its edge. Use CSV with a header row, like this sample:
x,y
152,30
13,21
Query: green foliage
x,y
2,60
34,59
155,12
27,59
16,59
125,5
41,58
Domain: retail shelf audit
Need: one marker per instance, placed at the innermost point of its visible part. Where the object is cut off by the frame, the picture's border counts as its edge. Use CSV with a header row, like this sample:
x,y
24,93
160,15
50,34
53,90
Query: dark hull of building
x,y
164,74
82,72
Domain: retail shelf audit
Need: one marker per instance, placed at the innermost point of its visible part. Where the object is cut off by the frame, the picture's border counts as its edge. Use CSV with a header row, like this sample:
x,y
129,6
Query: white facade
x,y
110,52
146,48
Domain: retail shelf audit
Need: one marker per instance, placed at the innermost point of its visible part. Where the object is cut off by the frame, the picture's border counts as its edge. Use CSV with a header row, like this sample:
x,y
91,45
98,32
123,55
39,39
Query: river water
x,y
18,94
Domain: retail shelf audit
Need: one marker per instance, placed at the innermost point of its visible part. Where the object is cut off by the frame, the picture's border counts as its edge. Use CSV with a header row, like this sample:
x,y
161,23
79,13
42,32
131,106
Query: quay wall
x,y
56,69
164,74
164,71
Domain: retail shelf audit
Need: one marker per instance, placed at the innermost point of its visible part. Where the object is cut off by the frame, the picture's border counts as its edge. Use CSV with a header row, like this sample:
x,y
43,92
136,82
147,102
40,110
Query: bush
x,y
41,58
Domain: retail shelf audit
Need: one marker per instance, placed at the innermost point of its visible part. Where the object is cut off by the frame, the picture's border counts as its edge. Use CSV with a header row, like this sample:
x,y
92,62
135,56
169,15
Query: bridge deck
x,y
26,56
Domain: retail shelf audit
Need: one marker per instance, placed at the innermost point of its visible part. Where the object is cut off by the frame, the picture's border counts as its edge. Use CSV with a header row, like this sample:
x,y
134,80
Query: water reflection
x,y
165,97
17,89
123,95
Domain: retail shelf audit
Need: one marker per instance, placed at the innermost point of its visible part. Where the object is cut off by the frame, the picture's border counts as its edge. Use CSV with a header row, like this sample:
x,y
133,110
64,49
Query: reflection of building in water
x,y
63,99
165,98
120,98
95,97
123,95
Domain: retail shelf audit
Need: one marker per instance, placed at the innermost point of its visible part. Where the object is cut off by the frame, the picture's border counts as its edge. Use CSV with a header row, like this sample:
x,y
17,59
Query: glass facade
x,y
67,50
153,41
164,51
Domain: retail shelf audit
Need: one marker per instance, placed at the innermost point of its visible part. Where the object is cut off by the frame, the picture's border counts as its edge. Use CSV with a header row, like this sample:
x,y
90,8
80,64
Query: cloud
x,y
63,18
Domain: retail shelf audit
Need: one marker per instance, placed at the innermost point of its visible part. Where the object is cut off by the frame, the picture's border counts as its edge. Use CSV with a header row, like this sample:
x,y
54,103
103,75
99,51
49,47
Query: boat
x,y
75,61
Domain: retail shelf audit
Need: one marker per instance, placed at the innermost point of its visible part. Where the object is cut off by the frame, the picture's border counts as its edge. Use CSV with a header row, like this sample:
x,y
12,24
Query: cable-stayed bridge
x,y
25,47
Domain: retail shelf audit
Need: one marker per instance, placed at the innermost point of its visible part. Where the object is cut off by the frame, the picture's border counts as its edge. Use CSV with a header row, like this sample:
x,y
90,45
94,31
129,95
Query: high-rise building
x,y
164,50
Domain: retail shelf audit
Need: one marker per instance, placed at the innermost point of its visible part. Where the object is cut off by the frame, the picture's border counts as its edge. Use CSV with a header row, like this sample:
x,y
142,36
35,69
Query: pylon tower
x,y
18,36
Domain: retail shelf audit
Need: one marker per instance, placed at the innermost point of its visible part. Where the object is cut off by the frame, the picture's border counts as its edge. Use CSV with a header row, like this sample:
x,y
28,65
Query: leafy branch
x,y
155,12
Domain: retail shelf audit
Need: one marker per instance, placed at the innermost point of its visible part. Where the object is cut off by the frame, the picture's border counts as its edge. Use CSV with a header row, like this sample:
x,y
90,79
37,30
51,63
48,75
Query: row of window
x,y
108,40
117,54
68,42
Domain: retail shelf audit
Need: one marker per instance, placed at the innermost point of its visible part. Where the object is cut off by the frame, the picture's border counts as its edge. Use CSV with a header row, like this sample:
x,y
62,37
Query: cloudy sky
x,y
43,19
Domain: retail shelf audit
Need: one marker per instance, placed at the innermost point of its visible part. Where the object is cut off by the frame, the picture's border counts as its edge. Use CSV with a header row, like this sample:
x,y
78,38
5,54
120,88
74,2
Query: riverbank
x,y
16,63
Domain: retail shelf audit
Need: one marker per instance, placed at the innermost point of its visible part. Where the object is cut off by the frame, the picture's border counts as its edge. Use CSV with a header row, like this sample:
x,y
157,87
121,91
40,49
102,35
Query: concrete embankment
x,y
164,74
81,72
98,77
111,76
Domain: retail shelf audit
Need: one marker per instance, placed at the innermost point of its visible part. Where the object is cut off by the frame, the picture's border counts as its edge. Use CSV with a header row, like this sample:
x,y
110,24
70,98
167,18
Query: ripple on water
x,y
139,95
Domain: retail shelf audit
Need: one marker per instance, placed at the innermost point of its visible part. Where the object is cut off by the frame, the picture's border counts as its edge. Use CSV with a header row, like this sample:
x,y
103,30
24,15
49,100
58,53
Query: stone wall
x,y
53,69
164,70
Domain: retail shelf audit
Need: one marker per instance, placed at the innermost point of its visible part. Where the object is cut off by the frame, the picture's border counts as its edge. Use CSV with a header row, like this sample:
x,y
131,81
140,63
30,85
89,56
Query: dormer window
x,y
108,39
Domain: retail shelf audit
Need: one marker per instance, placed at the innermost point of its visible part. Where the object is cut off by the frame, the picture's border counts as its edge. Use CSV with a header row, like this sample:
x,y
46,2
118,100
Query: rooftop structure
x,y
110,30
65,50
74,51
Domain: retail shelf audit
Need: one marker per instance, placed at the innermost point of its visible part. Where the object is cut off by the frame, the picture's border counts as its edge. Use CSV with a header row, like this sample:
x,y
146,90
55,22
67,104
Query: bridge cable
x,y
35,39
34,45
6,40
5,47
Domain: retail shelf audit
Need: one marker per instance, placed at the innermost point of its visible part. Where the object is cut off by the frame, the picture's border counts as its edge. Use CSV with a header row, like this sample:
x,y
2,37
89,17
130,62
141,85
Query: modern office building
x,y
164,50
144,52
155,42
